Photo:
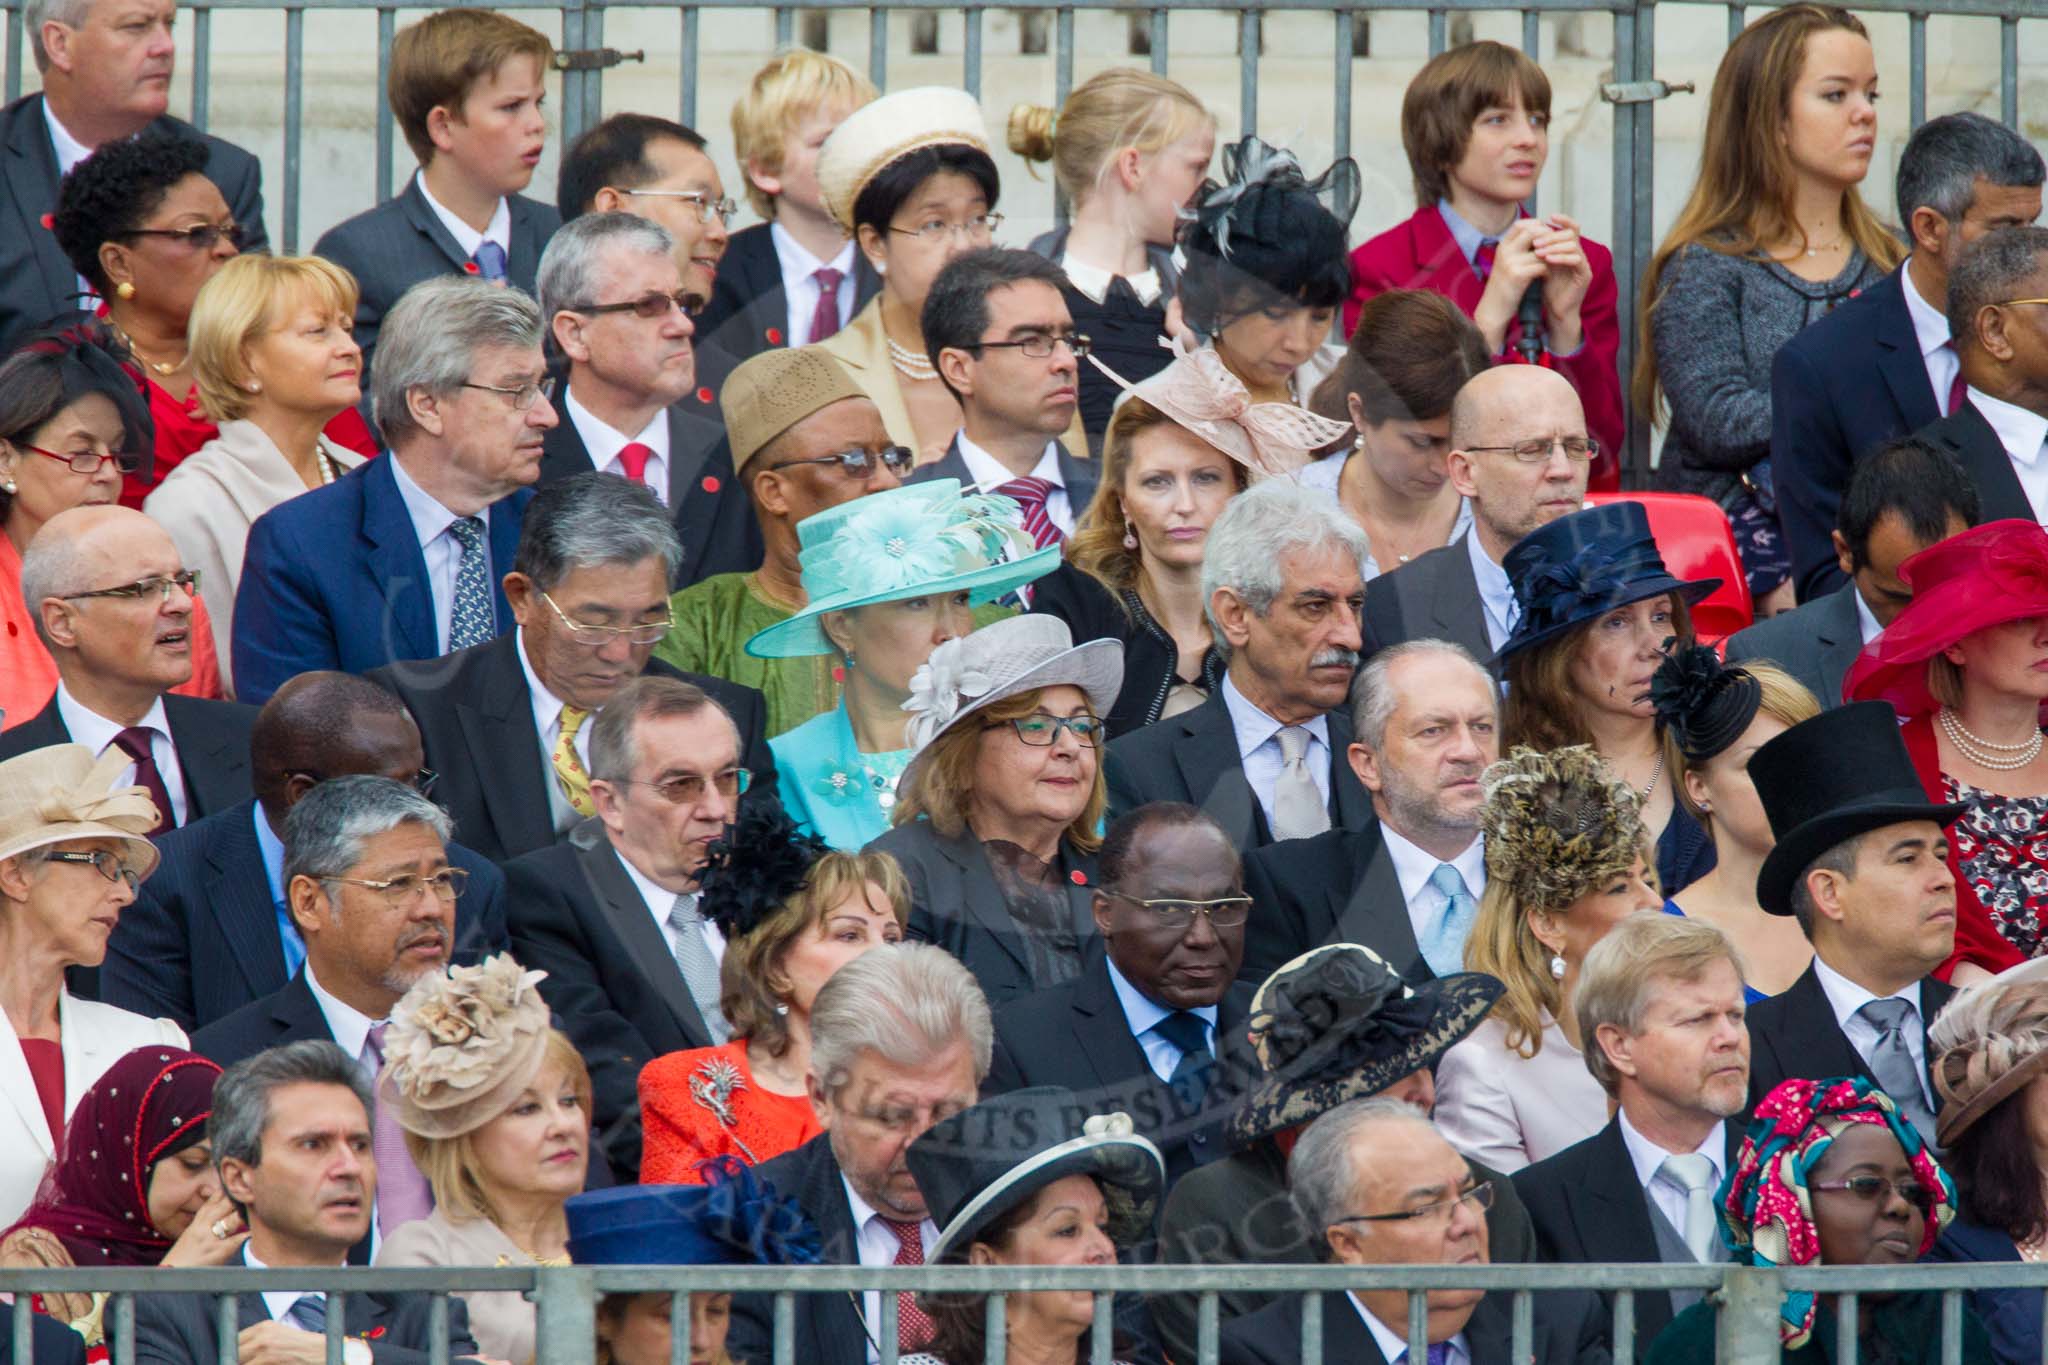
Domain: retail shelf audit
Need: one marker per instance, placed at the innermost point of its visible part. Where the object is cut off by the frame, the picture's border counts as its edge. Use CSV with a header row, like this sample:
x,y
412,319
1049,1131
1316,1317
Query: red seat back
x,y
1696,541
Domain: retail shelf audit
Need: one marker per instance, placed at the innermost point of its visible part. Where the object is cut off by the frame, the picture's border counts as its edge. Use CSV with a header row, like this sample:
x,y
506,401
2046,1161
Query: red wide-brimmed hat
x,y
1986,576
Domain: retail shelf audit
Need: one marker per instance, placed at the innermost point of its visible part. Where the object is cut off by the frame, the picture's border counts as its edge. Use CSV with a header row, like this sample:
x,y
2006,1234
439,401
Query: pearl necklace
x,y
2002,758
909,363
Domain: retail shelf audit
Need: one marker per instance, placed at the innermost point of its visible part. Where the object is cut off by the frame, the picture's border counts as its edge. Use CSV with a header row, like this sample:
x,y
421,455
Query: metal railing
x,y
1746,1299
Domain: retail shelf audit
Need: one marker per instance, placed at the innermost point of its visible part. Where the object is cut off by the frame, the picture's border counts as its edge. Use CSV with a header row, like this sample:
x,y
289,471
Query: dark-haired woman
x,y
1410,353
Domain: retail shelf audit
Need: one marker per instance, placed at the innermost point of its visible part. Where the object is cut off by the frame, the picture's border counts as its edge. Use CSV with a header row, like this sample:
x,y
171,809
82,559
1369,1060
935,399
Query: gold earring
x,y
124,290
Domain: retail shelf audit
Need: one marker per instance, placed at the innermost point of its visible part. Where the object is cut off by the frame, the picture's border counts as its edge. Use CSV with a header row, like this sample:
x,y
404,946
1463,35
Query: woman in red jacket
x,y
1476,126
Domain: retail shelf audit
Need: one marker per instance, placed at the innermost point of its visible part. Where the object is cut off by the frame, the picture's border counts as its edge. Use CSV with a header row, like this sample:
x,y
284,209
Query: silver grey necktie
x,y
1891,1061
694,961
1693,1172
1299,809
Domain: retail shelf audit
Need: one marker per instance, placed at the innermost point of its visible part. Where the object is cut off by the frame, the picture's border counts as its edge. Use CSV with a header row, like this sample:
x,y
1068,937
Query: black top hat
x,y
1583,566
1831,778
983,1162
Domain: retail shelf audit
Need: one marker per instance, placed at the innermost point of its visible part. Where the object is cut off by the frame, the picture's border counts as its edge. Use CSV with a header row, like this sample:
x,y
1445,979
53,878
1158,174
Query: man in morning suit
x,y
113,604
202,938
1141,1030
106,74
1660,1002
901,1031
1960,176
1862,863
1903,497
1510,460
466,89
1425,723
291,1134
1264,755
401,558
617,308
506,723
1382,1187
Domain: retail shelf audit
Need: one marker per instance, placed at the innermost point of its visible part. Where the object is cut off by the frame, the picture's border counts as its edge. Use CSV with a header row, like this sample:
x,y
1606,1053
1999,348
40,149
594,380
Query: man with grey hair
x,y
1381,1186
401,558
1884,364
900,1039
1660,1005
619,312
1284,583
1425,719
106,70
373,895
292,1139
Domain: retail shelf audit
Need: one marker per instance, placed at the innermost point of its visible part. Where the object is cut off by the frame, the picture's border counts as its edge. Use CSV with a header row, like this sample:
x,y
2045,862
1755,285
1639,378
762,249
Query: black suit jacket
x,y
749,309
392,247
1337,887
1827,413
1569,1328
1432,597
1076,473
830,1329
178,1329
1192,757
476,722
201,939
37,282
211,737
714,517
1966,436
1815,644
1794,1035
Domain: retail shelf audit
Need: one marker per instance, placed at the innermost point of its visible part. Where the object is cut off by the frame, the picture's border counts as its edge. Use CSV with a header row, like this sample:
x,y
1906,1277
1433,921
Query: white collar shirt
x,y
1931,335
987,474
1394,1345
1258,746
2022,433
1649,1160
97,733
800,282
1414,866
1094,281
1143,1014
661,901
877,1245
1496,594
70,151
547,724
349,1026
498,230
278,1302
1866,619
1846,997
438,546
603,442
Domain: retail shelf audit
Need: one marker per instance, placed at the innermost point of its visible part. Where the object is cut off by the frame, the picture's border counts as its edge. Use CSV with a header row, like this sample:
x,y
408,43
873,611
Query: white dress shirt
x,y
877,1245
70,151
1394,1345
1094,281
1496,594
800,284
987,474
1931,335
547,723
1143,1013
97,733
1846,997
1866,619
660,901
1649,1160
604,442
349,1025
498,230
1414,866
2022,433
438,546
1258,747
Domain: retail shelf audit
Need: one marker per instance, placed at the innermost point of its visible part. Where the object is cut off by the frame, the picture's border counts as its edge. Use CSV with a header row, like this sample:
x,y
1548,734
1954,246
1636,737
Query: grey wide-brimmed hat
x,y
1005,659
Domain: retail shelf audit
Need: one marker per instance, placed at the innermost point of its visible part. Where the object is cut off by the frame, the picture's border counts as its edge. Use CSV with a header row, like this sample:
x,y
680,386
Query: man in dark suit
x,y
1141,1029
505,723
401,559
1960,176
627,408
291,1136
1360,1173
1459,592
1263,754
1425,722
902,1026
1861,861
114,605
1902,498
106,75
211,930
750,307
1660,999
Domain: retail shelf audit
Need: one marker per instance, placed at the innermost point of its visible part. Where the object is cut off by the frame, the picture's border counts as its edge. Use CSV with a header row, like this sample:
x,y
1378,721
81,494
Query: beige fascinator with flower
x,y
462,1045
1989,1044
1201,394
60,793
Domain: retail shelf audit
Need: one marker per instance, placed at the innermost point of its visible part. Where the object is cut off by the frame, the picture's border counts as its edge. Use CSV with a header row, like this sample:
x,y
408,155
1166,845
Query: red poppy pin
x,y
50,221
1078,877
470,268
711,484
374,1333
774,336
703,395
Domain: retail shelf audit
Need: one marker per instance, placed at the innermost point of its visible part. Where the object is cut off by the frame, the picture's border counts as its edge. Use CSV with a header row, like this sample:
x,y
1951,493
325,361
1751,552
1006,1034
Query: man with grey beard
x,y
1425,721
1283,578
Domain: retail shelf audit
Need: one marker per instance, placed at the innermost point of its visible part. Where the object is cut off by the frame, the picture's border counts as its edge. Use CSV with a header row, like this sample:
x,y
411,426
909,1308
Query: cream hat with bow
x,y
54,795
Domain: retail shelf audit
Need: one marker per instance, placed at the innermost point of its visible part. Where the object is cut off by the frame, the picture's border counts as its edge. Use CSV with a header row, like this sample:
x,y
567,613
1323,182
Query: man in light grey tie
x,y
1660,1003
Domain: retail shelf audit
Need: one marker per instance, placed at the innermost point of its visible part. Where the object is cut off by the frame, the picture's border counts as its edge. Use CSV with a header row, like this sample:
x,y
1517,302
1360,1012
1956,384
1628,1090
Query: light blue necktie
x,y
1443,947
490,260
472,620
309,1313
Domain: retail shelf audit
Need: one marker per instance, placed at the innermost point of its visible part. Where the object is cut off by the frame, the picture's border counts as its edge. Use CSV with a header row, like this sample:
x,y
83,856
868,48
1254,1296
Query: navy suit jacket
x,y
211,737
201,939
335,579
749,309
1840,388
1077,474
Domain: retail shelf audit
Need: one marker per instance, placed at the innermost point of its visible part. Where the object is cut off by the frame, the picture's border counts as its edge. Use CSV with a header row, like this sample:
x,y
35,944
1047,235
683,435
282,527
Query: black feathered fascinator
x,y
753,871
1703,703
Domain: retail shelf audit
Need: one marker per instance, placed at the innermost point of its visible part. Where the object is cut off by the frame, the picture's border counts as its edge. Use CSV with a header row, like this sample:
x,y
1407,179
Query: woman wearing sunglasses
x,y
71,422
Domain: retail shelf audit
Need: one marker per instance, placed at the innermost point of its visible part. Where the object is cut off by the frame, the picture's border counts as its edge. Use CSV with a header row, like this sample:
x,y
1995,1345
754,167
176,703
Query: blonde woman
x,y
1566,861
275,361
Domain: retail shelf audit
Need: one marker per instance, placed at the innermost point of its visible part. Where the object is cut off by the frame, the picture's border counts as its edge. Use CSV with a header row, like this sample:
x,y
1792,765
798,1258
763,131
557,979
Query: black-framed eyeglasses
x,y
200,236
86,461
1041,730
860,462
400,892
648,306
1226,912
102,862
1577,449
1876,1188
1039,345
687,789
645,633
523,397
1480,1197
707,208
422,781
186,580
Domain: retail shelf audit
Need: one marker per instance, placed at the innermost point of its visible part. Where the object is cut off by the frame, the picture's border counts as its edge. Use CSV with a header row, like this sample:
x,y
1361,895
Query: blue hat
x,y
1582,566
732,1219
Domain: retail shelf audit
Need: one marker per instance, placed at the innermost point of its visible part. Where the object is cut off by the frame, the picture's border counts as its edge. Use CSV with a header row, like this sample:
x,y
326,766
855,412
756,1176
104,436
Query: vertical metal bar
x,y
1952,1327
1340,139
227,1326
1735,22
1625,1327
892,1326
437,1330
1532,47
294,122
590,111
202,64
2009,70
970,49
692,64
682,1313
1746,1328
1205,1329
785,1328
24,1328
1062,86
1845,1330
1916,73
878,47
566,1300
387,30
1524,1326
1311,1326
996,1325
123,1330
337,1325
1158,43
1439,33
1418,1324
785,26
1102,1332
1247,71
572,81
16,32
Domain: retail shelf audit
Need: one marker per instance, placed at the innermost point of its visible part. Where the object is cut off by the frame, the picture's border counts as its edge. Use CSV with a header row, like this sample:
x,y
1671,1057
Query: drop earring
x,y
1557,966
1130,540
849,661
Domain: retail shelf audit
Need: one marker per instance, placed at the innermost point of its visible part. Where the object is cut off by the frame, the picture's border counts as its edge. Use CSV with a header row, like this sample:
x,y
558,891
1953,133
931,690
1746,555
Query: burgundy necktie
x,y
1031,494
1482,259
134,742
1956,386
825,320
914,1326
633,458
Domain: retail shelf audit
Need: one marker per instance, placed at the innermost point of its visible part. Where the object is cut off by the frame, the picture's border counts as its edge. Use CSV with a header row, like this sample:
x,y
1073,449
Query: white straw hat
x,y
883,130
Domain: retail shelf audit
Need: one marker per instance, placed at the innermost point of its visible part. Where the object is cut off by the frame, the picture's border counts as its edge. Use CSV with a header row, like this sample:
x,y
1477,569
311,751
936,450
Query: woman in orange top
x,y
793,912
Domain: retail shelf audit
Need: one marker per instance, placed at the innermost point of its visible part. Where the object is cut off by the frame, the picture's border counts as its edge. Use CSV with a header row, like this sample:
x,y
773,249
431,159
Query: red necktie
x,y
1031,494
633,458
914,1326
1482,259
825,320
134,742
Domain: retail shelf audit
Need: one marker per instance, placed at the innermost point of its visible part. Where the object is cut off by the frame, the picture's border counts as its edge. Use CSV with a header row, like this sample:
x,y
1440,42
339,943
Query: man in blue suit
x,y
1881,366
403,558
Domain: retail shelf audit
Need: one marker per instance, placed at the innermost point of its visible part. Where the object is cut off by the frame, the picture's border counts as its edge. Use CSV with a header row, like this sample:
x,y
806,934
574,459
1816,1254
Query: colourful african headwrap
x,y
1766,1205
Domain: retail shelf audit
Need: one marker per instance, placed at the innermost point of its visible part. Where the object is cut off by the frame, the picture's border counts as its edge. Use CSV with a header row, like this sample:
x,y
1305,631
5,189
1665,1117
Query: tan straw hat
x,y
1989,1042
462,1045
50,796
775,390
883,130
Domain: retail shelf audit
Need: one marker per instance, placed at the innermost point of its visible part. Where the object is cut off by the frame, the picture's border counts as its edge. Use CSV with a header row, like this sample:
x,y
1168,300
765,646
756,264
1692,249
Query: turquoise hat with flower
x,y
921,540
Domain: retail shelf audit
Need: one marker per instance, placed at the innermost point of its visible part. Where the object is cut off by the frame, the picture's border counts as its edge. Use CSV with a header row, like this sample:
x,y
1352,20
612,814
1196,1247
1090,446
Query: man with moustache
x,y
1659,1002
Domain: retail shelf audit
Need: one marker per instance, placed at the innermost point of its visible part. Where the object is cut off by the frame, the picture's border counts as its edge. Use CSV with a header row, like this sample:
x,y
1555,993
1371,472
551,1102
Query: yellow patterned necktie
x,y
569,770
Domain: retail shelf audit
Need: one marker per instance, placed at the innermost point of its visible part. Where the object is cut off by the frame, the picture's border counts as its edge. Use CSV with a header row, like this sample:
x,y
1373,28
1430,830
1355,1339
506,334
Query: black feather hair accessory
x,y
752,871
1705,704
